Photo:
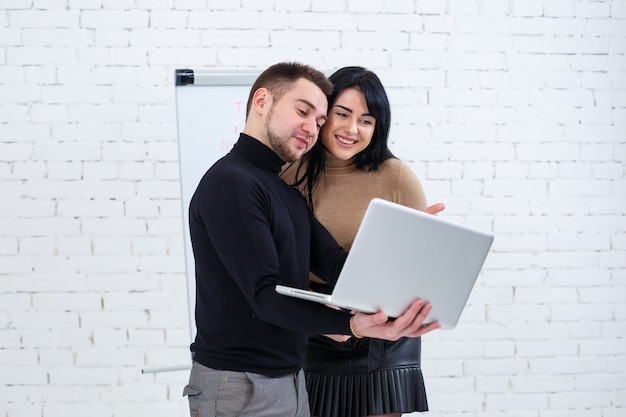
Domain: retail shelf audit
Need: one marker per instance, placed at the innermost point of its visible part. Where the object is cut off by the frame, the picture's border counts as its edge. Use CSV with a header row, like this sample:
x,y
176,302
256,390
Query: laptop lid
x,y
400,254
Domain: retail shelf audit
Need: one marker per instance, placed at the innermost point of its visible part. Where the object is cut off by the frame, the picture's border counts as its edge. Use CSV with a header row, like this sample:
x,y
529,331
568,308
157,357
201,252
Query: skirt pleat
x,y
398,390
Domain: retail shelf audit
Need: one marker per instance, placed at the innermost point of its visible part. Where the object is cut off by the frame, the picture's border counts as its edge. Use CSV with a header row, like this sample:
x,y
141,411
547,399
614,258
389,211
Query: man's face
x,y
293,122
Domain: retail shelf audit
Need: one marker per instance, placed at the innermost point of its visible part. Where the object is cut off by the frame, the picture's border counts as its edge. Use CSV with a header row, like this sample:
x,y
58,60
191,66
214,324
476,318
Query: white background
x,y
513,113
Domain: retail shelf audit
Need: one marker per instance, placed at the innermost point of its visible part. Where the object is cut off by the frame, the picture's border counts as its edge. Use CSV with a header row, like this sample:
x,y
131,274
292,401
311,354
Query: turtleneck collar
x,y
257,153
339,165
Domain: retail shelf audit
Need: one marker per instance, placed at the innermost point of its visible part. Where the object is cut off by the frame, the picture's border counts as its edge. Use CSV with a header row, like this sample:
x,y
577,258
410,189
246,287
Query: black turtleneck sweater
x,y
250,231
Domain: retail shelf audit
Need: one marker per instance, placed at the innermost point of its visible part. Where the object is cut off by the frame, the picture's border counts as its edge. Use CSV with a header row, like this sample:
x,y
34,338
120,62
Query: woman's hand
x,y
435,208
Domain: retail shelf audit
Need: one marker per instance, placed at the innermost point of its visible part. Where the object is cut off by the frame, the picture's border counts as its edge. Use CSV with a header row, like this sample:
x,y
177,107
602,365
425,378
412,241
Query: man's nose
x,y
310,126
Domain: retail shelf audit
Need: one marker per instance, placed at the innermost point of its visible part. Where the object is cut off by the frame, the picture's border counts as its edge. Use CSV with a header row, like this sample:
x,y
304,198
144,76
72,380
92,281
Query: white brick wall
x,y
511,112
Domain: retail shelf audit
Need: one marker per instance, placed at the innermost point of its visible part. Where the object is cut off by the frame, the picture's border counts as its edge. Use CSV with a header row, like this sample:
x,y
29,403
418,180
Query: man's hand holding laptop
x,y
378,325
409,324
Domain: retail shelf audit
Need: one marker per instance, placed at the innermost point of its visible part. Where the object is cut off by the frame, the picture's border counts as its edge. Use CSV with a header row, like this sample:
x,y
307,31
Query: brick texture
x,y
511,112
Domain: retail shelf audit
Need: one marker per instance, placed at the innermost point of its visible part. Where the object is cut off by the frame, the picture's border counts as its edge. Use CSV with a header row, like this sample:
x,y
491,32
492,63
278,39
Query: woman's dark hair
x,y
312,165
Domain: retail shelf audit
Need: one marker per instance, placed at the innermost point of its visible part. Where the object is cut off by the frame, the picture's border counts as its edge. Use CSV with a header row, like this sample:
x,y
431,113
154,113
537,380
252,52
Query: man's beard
x,y
279,144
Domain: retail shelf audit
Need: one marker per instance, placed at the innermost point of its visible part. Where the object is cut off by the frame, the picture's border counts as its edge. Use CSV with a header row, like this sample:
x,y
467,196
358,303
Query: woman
x,y
349,165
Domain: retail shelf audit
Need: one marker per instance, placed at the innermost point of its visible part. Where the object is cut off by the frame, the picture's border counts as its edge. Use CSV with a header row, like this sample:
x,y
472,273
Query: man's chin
x,y
290,153
289,157
296,154
299,154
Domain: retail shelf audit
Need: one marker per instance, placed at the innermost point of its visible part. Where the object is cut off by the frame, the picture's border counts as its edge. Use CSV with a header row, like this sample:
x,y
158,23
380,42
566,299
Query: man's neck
x,y
258,135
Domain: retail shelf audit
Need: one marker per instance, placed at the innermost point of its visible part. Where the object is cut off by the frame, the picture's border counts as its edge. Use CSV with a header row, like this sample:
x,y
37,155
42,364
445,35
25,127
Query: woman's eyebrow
x,y
343,107
350,110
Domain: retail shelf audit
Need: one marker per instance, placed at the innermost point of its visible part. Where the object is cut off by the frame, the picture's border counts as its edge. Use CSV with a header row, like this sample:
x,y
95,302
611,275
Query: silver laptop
x,y
400,254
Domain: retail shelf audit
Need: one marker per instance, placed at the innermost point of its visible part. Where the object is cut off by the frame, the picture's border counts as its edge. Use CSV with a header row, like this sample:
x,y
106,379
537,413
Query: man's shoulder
x,y
234,173
231,165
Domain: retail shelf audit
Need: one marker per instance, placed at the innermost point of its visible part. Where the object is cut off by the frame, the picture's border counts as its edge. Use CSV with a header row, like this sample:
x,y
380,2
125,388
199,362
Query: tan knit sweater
x,y
342,195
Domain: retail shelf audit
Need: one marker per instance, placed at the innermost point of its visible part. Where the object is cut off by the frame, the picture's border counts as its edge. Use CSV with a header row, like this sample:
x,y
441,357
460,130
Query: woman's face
x,y
350,126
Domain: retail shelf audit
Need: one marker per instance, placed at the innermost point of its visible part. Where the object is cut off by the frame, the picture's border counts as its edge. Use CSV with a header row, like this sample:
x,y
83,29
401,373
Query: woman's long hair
x,y
312,164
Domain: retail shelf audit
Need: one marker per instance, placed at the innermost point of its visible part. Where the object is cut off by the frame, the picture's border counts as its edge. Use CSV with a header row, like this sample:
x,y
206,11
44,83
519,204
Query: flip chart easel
x,y
210,112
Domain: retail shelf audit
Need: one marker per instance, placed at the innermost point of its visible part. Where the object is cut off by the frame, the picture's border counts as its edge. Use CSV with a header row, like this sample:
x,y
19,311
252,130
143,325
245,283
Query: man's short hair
x,y
281,77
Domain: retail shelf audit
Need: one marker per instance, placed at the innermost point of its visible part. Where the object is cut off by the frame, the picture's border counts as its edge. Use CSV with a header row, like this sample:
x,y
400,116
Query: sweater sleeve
x,y
410,190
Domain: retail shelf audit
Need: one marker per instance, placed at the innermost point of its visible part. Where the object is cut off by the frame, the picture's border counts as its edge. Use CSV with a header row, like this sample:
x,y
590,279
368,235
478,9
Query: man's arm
x,y
236,219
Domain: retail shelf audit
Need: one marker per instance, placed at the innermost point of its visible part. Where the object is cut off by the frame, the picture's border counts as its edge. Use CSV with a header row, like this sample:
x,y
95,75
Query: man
x,y
250,231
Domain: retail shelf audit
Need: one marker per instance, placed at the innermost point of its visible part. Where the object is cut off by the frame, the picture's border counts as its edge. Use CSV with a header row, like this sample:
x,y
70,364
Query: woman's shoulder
x,y
396,167
393,163
408,190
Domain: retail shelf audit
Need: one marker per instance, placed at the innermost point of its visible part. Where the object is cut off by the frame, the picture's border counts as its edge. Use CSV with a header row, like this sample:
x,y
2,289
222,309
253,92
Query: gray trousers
x,y
215,393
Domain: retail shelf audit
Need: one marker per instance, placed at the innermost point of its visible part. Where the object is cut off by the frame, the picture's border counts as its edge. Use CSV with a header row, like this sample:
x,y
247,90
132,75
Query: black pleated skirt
x,y
364,377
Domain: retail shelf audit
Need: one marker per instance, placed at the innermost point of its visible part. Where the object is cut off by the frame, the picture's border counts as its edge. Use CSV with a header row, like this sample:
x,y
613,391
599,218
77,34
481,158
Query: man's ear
x,y
261,101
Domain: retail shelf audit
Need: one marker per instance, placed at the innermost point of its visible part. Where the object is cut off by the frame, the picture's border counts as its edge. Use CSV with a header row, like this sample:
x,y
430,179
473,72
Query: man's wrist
x,y
352,330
